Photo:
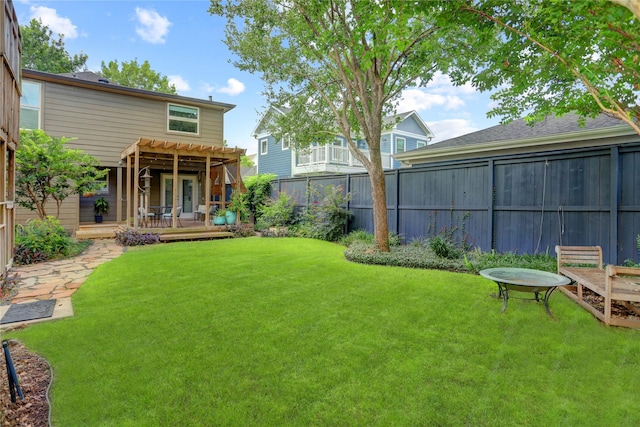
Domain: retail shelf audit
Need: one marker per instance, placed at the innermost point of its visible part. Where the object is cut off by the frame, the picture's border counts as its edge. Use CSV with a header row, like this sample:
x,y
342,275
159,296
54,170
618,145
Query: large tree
x,y
340,67
559,56
132,74
40,51
48,171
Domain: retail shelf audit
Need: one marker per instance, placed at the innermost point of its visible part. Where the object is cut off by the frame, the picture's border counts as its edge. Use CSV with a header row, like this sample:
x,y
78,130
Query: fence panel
x,y
525,203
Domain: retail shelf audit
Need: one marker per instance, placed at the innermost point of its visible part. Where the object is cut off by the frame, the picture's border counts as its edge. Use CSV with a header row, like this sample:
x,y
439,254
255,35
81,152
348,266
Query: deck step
x,y
195,236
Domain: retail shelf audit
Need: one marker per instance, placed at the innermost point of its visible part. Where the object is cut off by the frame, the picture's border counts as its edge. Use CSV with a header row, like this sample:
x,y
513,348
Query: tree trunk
x,y
379,199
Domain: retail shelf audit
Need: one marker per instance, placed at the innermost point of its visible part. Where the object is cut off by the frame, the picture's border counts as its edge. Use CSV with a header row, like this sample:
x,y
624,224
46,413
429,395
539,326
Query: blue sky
x,y
181,40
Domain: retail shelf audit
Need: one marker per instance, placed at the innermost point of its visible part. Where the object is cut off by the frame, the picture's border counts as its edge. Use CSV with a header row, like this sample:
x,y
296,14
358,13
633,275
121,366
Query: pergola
x,y
179,157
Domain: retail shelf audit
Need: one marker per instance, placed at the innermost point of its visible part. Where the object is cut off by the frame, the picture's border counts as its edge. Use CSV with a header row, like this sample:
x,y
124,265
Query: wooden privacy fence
x,y
524,203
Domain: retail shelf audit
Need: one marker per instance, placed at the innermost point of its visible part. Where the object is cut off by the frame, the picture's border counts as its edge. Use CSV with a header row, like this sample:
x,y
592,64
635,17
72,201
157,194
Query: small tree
x,y
139,76
46,170
40,51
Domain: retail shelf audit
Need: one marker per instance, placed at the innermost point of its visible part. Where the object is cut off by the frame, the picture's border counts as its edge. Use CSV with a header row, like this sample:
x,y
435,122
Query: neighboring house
x,y
402,132
131,130
11,52
518,137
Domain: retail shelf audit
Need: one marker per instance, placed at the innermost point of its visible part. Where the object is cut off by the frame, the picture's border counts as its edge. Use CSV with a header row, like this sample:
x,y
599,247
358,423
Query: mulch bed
x,y
34,377
597,301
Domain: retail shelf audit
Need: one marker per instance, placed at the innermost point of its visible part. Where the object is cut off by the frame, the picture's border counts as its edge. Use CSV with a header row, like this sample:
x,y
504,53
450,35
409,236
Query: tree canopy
x,y
46,170
560,56
340,67
132,74
40,51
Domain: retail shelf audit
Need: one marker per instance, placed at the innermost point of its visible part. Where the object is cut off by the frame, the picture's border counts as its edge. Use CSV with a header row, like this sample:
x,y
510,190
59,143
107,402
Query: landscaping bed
x,y
34,376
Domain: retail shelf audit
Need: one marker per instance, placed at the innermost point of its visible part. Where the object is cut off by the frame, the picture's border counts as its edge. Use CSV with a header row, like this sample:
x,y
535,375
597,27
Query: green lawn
x,y
277,332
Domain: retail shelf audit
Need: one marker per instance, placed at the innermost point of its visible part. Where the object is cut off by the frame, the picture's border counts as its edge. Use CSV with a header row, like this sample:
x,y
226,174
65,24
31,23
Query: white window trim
x,y
420,144
286,140
105,189
404,144
184,119
264,144
35,107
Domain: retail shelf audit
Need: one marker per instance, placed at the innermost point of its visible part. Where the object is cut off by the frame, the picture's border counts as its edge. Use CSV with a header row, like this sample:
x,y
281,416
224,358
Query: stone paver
x,y
58,279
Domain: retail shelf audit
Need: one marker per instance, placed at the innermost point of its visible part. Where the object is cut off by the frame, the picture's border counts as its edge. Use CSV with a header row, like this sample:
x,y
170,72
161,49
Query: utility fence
x,y
523,204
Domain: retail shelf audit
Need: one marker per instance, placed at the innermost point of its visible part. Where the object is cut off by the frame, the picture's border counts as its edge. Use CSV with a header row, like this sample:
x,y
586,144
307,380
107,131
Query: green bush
x,y
277,212
363,236
401,256
444,247
41,240
258,191
327,218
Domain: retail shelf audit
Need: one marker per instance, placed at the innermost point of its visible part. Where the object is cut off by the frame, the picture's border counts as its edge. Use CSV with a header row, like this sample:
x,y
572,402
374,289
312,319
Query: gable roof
x,y
90,80
399,118
520,137
386,121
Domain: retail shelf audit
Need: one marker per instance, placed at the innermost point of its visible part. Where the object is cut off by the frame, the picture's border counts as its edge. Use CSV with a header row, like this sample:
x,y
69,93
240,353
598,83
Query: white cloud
x,y
233,87
153,28
207,88
450,128
57,24
420,100
181,84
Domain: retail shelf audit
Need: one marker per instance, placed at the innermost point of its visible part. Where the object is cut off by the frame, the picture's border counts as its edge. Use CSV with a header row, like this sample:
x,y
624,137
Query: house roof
x,y
399,118
90,80
520,137
386,121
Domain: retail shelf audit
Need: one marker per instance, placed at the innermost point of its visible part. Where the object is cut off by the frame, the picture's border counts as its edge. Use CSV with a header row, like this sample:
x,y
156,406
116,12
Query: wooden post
x,y
207,190
136,171
127,213
174,203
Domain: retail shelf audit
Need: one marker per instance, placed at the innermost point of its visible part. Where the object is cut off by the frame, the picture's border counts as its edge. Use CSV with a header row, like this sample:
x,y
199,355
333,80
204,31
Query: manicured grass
x,y
286,332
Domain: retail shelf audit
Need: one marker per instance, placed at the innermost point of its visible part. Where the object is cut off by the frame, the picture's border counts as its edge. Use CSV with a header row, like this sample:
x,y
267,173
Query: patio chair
x,y
200,212
143,215
168,215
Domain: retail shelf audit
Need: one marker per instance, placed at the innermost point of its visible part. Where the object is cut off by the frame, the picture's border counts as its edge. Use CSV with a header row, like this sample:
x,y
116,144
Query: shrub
x,y
136,238
327,217
258,191
362,236
40,240
401,256
277,212
443,247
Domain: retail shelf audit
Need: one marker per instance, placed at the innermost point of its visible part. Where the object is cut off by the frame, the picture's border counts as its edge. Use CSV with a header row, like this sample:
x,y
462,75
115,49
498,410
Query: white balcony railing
x,y
330,158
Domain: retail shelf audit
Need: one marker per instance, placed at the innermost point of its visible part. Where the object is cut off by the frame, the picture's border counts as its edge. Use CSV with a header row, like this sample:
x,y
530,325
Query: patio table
x,y
525,280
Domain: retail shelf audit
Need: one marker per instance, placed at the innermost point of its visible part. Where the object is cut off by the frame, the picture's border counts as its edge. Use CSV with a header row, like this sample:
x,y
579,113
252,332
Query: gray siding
x,y
524,204
106,123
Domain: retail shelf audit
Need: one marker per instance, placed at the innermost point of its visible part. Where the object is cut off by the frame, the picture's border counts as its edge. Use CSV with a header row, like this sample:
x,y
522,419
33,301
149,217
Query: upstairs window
x,y
30,105
181,118
400,145
286,142
420,144
263,146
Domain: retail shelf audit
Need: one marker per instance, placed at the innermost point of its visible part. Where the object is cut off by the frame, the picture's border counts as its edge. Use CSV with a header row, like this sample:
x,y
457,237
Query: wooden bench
x,y
583,265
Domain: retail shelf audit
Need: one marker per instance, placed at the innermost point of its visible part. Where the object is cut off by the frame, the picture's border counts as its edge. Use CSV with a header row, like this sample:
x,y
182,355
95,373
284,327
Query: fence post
x,y
616,192
492,192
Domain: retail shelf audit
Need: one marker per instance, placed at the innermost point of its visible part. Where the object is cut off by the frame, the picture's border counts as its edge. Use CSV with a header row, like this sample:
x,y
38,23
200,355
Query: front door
x,y
187,189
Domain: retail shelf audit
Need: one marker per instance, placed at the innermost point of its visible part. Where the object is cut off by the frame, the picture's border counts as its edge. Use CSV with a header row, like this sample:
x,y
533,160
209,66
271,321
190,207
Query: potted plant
x,y
101,207
238,204
220,217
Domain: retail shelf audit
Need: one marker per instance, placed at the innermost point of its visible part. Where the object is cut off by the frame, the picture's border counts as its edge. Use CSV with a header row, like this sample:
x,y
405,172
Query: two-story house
x,y
176,142
402,132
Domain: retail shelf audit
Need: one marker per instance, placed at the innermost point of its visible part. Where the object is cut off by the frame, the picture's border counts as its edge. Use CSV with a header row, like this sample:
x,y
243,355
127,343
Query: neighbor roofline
x,y
123,90
577,139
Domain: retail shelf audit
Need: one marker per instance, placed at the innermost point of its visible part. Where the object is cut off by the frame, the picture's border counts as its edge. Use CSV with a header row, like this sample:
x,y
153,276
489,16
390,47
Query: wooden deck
x,y
190,230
